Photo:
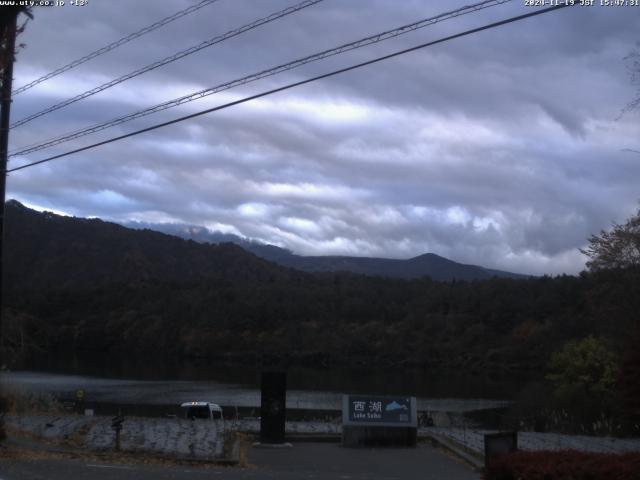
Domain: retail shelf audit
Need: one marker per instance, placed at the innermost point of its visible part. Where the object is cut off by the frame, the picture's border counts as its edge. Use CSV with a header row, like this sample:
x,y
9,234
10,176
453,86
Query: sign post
x,y
116,424
79,400
377,420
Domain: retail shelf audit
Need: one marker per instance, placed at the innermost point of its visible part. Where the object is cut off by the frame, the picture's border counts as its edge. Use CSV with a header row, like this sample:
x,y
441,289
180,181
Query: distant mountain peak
x,y
426,264
12,203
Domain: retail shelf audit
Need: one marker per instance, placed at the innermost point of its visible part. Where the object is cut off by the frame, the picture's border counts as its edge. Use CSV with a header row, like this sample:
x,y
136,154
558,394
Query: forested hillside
x,y
91,285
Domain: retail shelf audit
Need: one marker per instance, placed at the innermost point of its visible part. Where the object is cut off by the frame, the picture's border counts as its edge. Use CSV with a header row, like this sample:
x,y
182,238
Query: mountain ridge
x,y
427,264
98,250
49,250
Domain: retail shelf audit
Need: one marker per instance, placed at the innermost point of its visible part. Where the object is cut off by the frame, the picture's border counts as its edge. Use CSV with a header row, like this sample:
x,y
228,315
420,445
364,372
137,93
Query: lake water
x,y
155,383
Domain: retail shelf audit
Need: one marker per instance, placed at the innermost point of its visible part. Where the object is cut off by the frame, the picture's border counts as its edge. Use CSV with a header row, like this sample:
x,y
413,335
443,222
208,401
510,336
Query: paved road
x,y
317,461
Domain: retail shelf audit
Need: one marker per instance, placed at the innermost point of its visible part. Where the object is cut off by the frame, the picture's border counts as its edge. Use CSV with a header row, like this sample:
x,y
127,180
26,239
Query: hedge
x,y
565,465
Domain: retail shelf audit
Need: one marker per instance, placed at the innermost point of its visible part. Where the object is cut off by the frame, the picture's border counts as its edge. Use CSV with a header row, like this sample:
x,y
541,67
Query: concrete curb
x,y
460,451
272,445
313,437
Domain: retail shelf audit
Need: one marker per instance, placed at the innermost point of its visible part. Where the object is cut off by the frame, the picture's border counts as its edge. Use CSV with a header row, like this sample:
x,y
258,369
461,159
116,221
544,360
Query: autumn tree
x,y
617,248
586,366
609,252
584,374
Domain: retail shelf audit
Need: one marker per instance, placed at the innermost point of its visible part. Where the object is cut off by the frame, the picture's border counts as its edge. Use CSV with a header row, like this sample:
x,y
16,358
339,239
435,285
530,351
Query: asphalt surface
x,y
318,461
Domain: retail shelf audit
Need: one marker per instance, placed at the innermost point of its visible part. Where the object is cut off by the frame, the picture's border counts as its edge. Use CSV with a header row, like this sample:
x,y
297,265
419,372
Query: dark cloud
x,y
501,148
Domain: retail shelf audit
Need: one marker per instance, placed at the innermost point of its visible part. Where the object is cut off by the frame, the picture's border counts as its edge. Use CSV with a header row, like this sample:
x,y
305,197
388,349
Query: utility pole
x,y
9,27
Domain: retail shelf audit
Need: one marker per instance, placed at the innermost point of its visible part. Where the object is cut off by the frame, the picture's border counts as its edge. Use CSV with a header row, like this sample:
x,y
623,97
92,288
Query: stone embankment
x,y
473,440
320,428
167,437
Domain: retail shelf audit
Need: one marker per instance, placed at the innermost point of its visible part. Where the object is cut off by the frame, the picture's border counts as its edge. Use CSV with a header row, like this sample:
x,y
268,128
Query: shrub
x,y
17,402
564,464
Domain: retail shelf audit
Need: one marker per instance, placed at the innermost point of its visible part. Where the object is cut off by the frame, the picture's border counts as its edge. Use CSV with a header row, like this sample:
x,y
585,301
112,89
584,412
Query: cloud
x,y
500,149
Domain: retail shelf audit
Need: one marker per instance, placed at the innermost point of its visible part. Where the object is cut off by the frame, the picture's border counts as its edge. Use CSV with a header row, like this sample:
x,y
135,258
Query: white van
x,y
202,410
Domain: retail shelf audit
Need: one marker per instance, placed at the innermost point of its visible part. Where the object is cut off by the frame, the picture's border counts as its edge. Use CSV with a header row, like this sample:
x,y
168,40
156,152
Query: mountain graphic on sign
x,y
395,406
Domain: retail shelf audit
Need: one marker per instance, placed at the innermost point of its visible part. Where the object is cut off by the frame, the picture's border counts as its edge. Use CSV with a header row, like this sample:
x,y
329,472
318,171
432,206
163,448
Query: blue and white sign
x,y
379,410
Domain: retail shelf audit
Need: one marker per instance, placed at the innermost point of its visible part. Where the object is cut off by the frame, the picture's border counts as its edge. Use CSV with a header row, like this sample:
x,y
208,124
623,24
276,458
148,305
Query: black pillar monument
x,y
273,403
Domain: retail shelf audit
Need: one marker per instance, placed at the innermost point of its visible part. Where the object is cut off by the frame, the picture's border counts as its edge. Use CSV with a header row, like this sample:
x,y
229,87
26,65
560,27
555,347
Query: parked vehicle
x,y
202,411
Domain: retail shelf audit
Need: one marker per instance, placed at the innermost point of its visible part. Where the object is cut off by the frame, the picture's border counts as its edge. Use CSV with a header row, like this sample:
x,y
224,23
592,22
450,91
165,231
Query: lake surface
x,y
154,383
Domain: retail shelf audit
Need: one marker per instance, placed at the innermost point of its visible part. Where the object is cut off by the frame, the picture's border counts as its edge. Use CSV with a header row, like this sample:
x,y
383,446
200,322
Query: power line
x,y
296,84
172,58
262,74
259,75
114,45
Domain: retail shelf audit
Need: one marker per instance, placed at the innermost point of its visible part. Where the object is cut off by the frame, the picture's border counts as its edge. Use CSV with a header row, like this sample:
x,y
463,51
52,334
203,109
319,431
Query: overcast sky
x,y
503,149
